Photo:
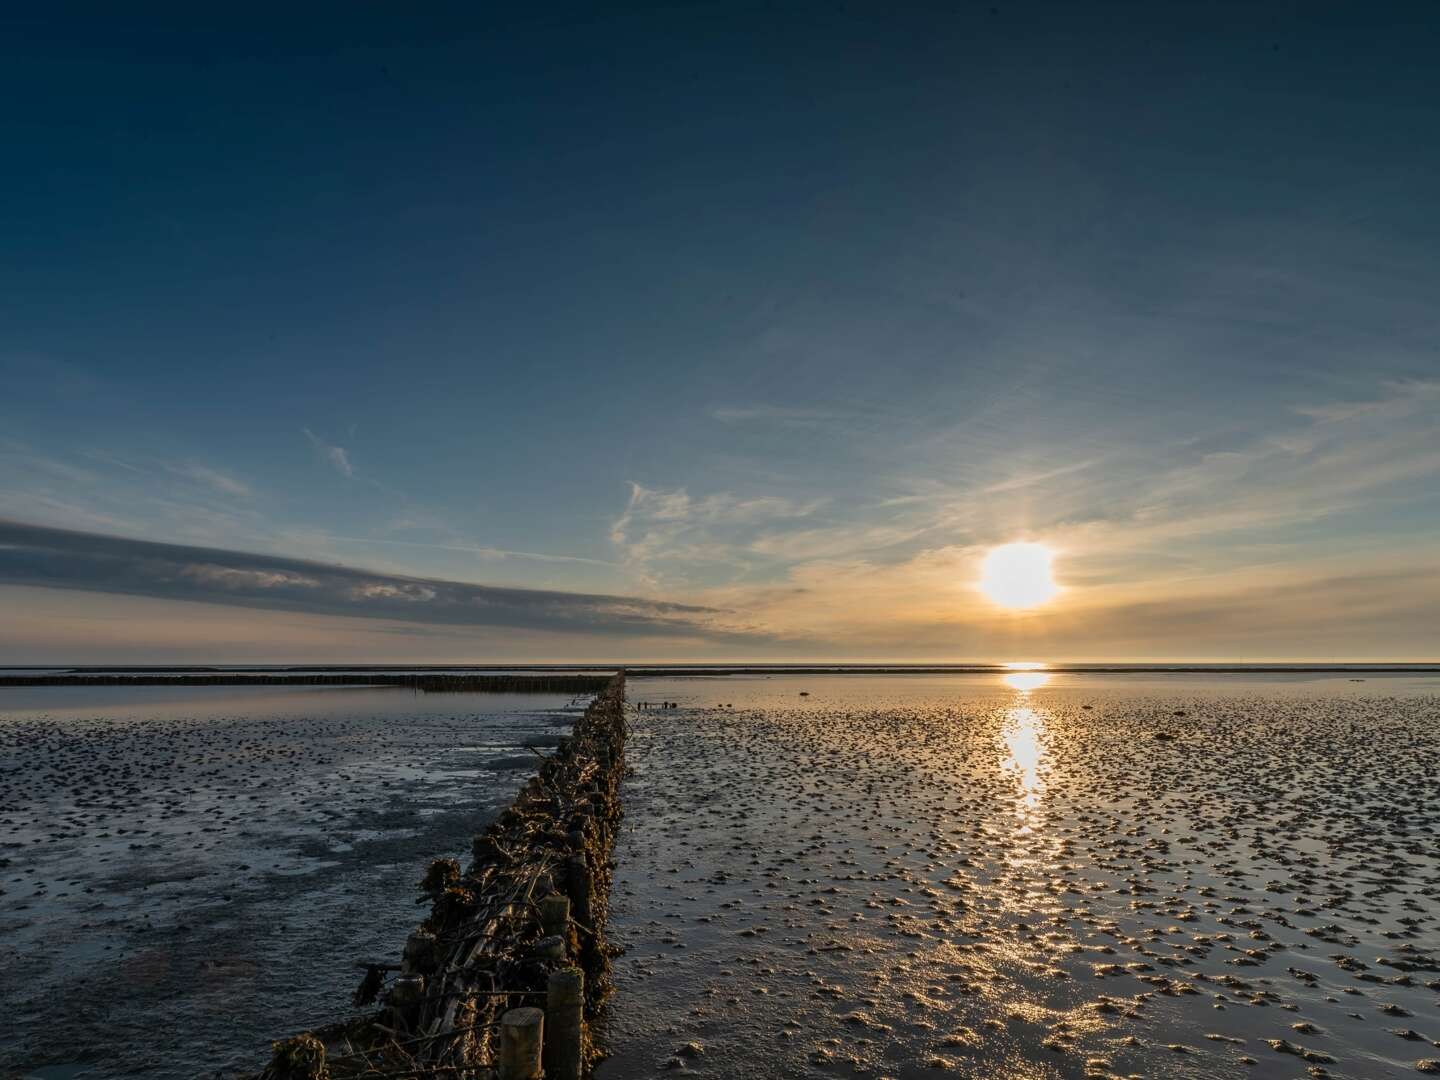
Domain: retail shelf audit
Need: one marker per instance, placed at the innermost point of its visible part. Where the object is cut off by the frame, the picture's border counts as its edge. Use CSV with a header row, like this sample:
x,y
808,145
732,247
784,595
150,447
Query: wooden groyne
x,y
431,682
501,980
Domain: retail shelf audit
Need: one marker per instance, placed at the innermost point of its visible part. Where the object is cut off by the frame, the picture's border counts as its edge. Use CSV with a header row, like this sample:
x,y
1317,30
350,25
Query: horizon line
x,y
959,666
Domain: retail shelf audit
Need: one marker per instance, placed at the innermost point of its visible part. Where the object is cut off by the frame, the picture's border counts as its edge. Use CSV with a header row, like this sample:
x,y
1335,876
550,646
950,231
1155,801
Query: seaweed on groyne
x,y
430,682
512,961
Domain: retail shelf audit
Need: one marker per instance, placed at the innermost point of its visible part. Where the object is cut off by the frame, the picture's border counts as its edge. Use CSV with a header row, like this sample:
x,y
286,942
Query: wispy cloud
x,y
1026,480
214,479
111,460
337,456
62,512
666,534
22,458
1402,398
479,550
782,415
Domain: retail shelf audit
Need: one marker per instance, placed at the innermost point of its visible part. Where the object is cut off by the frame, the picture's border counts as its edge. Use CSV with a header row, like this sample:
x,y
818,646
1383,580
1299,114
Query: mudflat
x,y
189,873
1004,878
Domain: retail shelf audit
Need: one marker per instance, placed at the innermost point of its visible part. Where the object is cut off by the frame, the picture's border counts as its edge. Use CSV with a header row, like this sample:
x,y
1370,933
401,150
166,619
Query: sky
x,y
478,333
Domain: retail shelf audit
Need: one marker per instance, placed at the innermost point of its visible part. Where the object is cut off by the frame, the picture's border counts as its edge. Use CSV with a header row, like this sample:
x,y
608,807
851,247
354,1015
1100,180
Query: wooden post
x,y
579,886
420,953
564,1004
407,990
555,914
522,1038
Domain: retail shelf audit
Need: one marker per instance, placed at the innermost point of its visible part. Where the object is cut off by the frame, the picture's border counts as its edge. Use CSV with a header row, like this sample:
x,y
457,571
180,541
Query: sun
x,y
1019,575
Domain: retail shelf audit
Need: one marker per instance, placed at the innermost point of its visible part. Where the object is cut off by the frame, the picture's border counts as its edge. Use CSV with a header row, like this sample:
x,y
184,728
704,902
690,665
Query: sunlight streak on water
x,y
1025,755
1024,758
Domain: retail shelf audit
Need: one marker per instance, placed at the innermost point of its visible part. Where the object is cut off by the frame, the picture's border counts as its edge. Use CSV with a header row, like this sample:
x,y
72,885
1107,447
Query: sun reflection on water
x,y
1024,759
1025,681
1022,738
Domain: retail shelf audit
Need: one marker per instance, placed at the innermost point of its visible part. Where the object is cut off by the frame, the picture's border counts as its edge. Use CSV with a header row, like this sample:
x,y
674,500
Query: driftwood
x,y
522,926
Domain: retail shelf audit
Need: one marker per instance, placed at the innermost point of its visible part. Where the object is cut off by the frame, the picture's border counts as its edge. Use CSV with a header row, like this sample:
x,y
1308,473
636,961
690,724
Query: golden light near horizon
x,y
1025,681
1019,575
1025,675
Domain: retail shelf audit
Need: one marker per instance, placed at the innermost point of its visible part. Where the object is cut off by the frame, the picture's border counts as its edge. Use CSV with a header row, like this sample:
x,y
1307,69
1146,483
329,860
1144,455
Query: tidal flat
x,y
1030,876
188,873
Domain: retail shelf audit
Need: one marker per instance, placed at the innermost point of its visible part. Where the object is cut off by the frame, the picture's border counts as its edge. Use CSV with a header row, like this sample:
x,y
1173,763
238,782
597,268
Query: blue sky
x,y
777,317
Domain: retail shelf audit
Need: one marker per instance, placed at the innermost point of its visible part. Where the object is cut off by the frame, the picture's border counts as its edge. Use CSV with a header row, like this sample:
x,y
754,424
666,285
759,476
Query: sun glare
x,y
1019,575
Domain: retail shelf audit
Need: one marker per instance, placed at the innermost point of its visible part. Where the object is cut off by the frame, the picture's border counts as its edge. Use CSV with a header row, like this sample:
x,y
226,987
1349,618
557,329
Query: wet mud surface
x,y
188,874
1007,879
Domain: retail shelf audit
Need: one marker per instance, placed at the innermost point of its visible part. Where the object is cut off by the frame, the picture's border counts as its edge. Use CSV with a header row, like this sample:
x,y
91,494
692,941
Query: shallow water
x,y
189,872
1012,877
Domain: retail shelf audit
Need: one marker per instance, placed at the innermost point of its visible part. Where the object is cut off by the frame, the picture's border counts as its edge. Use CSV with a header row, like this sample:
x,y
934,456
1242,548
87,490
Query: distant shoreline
x,y
433,682
540,676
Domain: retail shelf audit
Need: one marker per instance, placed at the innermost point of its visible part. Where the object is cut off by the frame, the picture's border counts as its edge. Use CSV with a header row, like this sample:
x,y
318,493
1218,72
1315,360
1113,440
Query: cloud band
x,y
37,555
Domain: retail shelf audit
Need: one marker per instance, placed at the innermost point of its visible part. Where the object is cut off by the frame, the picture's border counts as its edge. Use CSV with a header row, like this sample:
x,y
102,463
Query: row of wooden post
x,y
549,1043
528,1051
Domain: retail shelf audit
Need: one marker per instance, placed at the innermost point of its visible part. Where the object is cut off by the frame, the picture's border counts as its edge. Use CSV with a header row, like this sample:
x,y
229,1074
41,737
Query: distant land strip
x,y
430,682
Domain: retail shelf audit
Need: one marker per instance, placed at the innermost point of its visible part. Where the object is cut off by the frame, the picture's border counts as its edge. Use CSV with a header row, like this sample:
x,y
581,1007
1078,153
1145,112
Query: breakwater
x,y
430,682
503,976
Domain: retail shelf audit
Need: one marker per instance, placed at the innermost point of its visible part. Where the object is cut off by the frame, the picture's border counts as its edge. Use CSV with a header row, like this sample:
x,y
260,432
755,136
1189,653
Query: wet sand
x,y
918,877
188,874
